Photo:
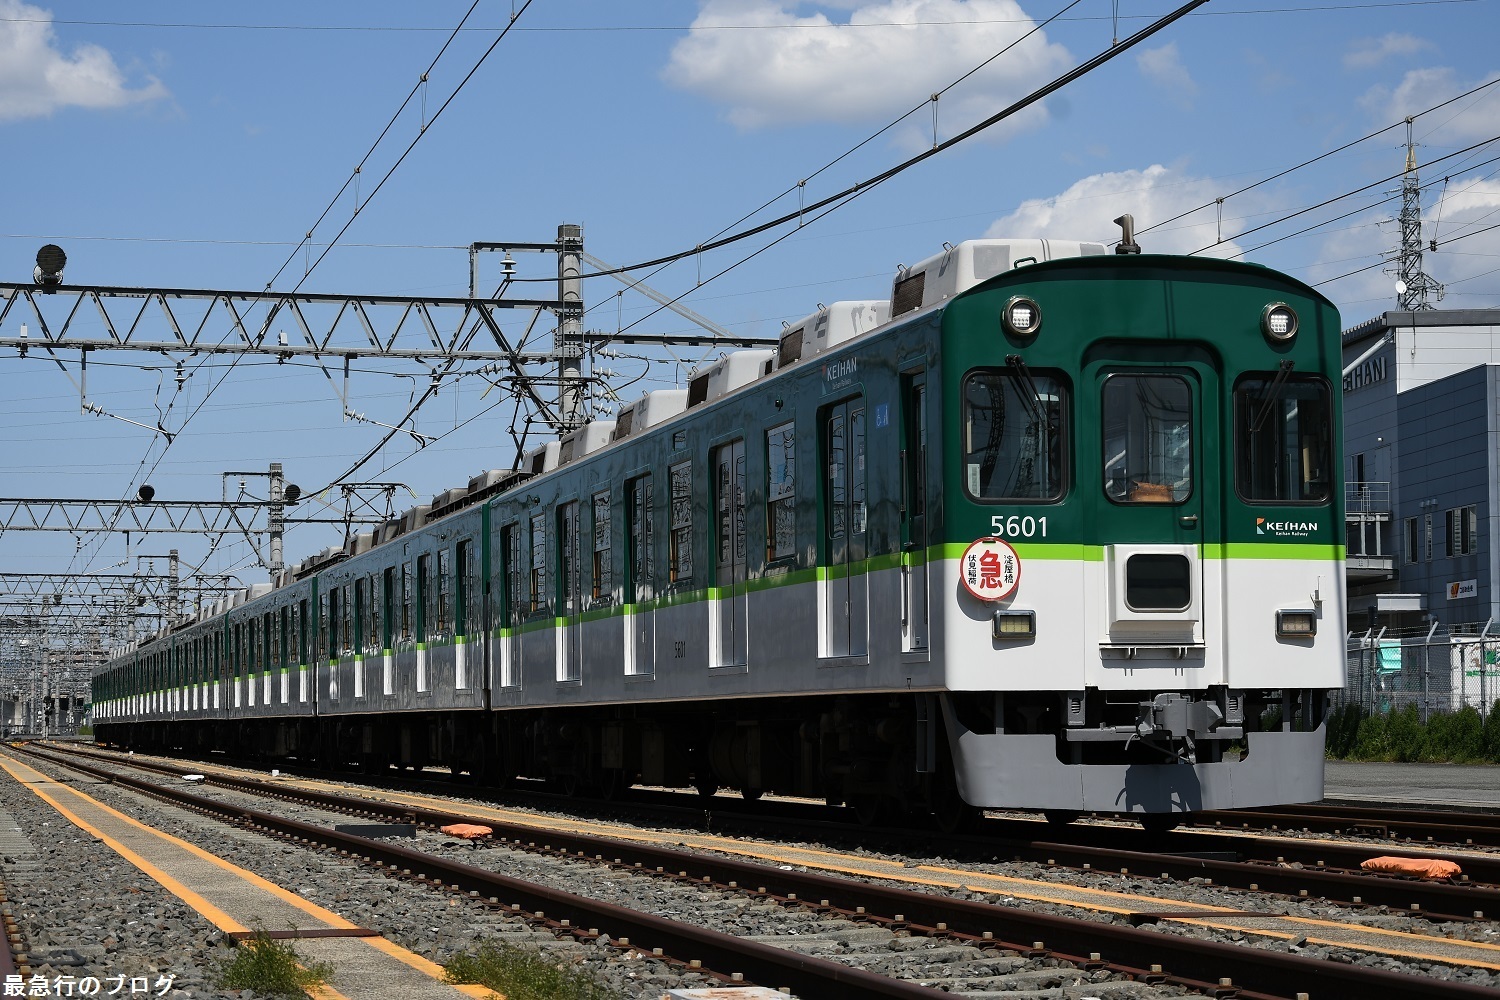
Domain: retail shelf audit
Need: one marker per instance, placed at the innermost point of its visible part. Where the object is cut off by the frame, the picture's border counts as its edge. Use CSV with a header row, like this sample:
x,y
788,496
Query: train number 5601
x,y
1018,526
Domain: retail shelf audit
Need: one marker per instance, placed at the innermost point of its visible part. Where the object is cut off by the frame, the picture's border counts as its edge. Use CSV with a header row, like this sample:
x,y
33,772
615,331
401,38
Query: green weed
x,y
525,974
273,967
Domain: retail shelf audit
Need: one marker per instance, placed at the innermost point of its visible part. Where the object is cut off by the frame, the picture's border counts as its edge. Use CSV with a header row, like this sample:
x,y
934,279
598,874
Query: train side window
x,y
1283,438
1014,442
514,592
372,634
423,600
680,541
538,561
604,584
346,628
444,589
331,618
464,614
781,492
361,603
640,504
1148,439
406,602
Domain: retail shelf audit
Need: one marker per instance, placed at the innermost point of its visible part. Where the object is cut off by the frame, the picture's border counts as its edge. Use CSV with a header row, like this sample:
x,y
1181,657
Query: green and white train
x,y
1050,529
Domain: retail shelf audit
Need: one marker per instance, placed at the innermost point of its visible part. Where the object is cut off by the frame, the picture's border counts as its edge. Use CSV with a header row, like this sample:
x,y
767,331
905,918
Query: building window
x,y
1427,538
1412,541
1463,531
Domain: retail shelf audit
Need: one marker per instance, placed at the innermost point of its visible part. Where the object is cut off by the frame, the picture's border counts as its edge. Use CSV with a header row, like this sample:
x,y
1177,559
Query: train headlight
x,y
1021,317
1015,625
1278,321
1296,624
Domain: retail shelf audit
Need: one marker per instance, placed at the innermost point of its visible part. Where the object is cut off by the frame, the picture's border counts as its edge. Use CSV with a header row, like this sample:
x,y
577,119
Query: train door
x,y
914,606
569,644
640,587
513,577
845,596
1159,473
730,638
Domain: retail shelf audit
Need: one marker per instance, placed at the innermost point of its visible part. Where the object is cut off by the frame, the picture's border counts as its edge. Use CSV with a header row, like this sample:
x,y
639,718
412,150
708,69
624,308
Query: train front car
x,y
1143,582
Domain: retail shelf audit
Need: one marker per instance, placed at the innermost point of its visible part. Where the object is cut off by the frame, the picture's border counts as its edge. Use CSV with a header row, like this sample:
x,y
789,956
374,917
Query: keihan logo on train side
x,y
839,374
1285,529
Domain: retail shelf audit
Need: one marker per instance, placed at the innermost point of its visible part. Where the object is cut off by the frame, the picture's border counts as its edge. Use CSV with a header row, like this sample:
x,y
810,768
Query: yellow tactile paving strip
x,y
1415,947
233,899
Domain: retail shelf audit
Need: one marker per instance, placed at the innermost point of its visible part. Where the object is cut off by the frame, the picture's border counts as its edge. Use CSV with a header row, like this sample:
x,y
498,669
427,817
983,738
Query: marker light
x,y
1021,317
1279,321
1296,624
1015,625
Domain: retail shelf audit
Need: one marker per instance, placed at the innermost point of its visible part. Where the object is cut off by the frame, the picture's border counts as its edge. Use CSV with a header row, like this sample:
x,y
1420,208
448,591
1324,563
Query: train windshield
x,y
1148,439
1283,439
1013,436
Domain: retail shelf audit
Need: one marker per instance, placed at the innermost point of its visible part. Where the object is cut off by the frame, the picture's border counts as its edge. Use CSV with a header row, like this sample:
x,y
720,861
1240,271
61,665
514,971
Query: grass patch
x,y
525,974
272,967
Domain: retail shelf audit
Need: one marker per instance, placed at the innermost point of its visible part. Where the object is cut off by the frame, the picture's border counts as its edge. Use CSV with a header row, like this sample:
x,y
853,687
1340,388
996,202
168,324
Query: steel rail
x,y
1332,871
1438,825
759,963
1237,970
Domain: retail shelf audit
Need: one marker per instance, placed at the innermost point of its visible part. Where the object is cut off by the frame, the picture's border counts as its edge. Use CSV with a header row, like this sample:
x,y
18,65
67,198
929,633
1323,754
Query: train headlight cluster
x,y
1021,317
1278,321
1015,625
1296,624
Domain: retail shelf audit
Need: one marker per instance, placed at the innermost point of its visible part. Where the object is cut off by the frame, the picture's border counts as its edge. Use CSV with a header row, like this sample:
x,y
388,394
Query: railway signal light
x,y
50,261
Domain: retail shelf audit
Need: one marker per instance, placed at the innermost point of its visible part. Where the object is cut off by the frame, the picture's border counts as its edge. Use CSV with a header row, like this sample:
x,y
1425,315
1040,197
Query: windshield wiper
x,y
1271,394
1033,397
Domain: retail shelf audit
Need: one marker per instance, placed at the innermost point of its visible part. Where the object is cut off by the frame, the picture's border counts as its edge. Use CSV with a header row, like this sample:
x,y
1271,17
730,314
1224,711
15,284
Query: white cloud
x,y
1164,68
1476,117
1367,53
885,58
37,78
1085,212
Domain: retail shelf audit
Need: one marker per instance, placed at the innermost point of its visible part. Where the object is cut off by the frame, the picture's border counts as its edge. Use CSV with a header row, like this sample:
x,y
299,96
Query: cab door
x,y
1160,470
914,608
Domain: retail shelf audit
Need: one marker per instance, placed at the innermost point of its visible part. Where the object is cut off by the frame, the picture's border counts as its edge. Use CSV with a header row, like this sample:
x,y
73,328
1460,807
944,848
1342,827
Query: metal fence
x,y
1438,670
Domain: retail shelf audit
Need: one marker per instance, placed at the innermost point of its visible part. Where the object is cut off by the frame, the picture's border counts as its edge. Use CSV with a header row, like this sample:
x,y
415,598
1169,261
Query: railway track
x,y
1419,826
1295,869
1207,966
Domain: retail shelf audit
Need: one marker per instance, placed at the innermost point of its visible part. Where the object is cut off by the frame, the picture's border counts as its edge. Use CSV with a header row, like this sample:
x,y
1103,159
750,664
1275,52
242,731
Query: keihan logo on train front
x,y
1285,529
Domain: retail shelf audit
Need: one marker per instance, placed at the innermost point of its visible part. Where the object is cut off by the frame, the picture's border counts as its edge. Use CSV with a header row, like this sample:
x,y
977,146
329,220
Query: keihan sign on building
x,y
1366,374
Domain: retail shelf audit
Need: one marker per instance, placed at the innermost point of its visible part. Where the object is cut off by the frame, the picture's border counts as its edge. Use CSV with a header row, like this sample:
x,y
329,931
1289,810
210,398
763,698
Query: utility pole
x,y
1413,285
568,342
275,519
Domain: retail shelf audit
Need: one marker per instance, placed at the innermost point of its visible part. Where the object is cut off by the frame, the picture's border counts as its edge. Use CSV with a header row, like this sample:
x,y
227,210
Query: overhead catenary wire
x,y
1321,156
609,29
880,178
389,172
835,201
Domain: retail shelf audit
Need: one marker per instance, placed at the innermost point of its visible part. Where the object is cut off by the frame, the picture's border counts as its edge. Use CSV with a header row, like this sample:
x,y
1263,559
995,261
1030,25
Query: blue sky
x,y
193,145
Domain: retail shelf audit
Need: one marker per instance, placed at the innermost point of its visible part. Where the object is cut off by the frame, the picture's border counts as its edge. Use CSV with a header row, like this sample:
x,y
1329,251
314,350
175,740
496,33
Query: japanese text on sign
x,y
990,569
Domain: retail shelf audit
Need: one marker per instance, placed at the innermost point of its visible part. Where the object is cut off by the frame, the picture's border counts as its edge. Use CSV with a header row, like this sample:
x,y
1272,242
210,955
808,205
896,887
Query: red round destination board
x,y
990,569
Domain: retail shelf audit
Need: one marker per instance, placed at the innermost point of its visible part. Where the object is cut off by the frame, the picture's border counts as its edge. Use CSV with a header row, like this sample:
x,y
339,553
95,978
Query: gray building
x,y
1422,463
